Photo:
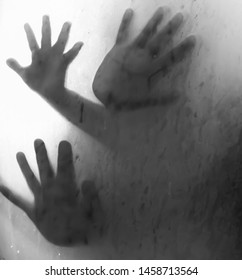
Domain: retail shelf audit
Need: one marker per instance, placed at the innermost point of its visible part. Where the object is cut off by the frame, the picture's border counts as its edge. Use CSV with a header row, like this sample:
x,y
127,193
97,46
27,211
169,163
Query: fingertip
x,y
46,18
159,14
129,12
188,43
38,142
128,15
67,25
26,26
64,143
20,156
15,66
65,147
73,52
166,11
191,40
10,62
160,10
179,17
79,45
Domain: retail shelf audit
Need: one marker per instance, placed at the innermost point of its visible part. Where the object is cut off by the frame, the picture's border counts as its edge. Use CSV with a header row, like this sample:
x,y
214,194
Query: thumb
x,y
73,52
15,66
16,200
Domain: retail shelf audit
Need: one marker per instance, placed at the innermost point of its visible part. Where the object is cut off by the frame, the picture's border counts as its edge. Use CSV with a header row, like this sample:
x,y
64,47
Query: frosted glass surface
x,y
170,185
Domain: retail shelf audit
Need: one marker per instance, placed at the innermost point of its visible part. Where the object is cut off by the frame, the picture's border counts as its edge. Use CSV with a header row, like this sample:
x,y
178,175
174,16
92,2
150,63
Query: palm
x,y
123,79
129,60
58,214
47,72
122,74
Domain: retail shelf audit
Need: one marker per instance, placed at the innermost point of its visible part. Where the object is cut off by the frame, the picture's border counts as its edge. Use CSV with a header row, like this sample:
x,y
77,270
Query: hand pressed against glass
x,y
46,74
123,79
58,212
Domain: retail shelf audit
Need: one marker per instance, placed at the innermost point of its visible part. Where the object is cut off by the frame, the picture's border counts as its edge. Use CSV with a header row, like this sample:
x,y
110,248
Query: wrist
x,y
54,94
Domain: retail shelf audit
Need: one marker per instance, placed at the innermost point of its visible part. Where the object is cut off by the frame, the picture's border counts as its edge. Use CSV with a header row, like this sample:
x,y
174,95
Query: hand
x,y
123,79
46,74
57,212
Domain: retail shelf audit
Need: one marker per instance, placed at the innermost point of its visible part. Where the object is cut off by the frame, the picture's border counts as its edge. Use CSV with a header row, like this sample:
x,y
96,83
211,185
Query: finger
x,y
15,66
65,167
28,174
124,27
63,37
174,56
16,200
46,33
161,40
33,45
45,170
73,52
150,28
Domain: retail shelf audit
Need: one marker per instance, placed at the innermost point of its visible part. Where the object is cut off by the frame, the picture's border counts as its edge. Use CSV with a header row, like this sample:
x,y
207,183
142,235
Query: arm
x,y
60,212
88,116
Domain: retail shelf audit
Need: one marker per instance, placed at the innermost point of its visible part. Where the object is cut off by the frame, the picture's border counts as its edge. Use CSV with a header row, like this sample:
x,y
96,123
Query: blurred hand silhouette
x,y
123,79
60,214
46,74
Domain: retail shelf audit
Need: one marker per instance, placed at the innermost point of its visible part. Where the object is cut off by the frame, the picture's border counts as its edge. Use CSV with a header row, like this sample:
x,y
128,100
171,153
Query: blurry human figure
x,y
62,214
123,81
